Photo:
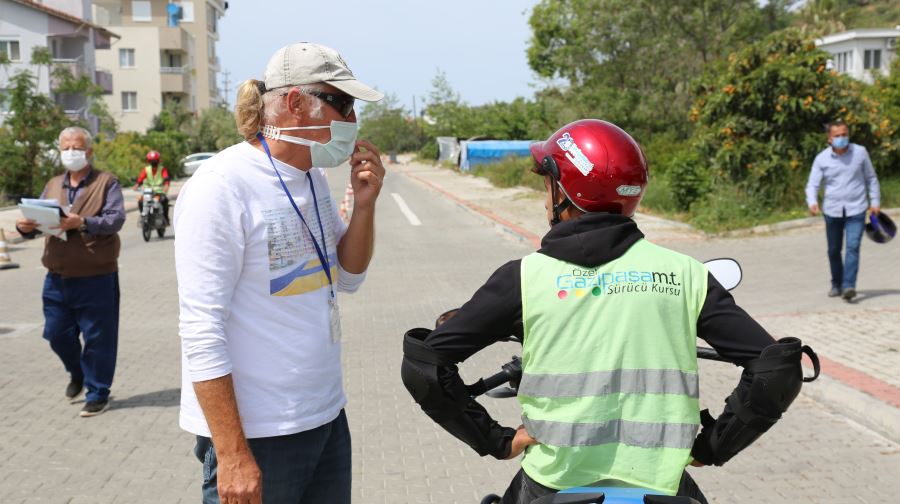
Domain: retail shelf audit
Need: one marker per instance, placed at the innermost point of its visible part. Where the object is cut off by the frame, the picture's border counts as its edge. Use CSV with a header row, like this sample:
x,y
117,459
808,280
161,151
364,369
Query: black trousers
x,y
524,490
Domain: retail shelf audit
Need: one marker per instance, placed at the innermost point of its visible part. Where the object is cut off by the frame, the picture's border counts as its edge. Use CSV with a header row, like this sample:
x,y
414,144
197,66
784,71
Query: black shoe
x,y
848,294
834,292
74,388
94,408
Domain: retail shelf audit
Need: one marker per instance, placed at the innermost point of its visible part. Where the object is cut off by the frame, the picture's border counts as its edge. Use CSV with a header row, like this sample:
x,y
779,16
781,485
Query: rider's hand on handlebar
x,y
521,441
695,463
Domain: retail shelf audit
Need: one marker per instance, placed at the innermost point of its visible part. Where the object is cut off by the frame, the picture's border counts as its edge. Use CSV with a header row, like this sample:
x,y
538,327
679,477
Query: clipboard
x,y
46,217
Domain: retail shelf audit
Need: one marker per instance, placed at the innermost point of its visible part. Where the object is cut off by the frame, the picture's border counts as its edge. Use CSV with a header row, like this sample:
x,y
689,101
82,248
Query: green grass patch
x,y
511,171
890,192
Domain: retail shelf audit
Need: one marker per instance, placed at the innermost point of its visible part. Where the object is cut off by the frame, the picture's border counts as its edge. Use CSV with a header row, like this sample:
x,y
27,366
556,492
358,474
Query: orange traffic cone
x,y
5,261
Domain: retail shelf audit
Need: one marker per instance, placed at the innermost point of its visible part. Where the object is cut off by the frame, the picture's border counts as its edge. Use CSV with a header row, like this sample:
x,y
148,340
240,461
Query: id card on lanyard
x,y
321,251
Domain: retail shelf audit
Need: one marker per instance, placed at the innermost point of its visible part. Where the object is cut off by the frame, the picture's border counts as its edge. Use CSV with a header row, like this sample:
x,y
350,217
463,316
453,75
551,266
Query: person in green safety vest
x,y
157,178
609,324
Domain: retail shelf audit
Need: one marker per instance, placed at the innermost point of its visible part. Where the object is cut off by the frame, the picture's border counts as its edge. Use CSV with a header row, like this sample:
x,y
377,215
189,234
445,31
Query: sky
x,y
394,45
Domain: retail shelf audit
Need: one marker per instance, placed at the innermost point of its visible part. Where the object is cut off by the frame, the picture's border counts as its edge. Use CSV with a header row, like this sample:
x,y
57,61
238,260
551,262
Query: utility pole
x,y
226,87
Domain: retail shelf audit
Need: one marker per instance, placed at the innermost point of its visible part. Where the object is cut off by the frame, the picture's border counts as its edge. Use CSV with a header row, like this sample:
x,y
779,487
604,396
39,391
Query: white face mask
x,y
329,155
73,159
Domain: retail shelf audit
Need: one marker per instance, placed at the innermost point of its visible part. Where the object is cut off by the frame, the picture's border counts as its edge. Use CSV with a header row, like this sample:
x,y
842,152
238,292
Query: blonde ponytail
x,y
248,111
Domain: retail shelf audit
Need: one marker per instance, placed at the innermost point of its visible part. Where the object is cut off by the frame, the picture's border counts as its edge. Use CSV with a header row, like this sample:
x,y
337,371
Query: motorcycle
x,y
152,216
505,384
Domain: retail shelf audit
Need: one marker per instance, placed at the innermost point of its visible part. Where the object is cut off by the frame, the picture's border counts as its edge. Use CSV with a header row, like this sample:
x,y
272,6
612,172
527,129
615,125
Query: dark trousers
x,y
310,467
843,273
524,490
89,307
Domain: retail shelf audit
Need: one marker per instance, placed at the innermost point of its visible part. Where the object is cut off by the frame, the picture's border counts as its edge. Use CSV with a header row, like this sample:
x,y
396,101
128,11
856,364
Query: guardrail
x,y
173,70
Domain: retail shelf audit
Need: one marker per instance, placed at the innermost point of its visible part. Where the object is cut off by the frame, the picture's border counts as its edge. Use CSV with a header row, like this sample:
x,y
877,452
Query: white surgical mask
x,y
73,159
328,155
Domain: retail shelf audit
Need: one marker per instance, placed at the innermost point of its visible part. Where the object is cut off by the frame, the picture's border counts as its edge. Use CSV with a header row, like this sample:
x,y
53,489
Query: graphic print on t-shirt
x,y
294,266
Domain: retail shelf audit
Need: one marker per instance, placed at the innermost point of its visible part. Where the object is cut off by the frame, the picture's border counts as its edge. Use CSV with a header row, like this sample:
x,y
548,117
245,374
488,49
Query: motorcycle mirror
x,y
726,271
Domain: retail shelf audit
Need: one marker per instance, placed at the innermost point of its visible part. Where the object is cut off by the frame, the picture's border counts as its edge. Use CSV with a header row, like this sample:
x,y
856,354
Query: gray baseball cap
x,y
308,63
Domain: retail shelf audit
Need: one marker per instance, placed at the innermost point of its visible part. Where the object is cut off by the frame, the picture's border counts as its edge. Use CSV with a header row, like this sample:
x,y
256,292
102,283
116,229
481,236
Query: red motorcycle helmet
x,y
596,164
152,156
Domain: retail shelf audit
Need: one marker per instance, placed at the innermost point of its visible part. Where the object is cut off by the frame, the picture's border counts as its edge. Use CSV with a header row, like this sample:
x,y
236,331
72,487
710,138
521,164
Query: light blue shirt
x,y
848,178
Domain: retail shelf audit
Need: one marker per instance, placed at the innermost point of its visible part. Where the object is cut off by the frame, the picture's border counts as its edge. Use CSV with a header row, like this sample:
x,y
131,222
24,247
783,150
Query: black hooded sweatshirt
x,y
590,240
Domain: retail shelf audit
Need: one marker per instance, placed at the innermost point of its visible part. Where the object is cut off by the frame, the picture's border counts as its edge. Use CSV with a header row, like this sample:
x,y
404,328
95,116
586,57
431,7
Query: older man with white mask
x,y
81,289
260,255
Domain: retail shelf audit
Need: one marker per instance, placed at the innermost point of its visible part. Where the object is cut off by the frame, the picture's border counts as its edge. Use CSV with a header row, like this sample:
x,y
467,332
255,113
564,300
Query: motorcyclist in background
x,y
609,323
157,178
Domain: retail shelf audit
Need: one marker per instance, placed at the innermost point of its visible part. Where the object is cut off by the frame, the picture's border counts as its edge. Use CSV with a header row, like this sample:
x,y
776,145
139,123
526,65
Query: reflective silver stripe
x,y
641,434
629,381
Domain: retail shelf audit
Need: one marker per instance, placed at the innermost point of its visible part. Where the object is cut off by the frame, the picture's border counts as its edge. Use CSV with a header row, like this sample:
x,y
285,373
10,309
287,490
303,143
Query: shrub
x,y
511,171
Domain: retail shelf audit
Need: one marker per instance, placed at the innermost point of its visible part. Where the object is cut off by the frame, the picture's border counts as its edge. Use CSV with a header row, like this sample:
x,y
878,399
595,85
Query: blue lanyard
x,y
323,257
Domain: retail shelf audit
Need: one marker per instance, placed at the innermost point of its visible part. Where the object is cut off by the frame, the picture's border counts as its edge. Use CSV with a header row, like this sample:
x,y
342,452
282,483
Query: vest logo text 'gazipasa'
x,y
581,282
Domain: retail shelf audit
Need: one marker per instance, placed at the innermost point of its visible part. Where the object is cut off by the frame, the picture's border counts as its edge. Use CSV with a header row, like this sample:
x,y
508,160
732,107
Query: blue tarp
x,y
488,151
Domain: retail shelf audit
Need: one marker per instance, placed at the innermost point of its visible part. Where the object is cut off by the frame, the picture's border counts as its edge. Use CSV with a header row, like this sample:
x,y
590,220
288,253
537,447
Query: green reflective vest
x,y
609,358
152,181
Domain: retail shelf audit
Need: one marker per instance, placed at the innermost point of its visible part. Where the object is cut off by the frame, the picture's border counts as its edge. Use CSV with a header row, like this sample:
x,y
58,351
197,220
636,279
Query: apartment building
x,y
860,53
166,54
73,40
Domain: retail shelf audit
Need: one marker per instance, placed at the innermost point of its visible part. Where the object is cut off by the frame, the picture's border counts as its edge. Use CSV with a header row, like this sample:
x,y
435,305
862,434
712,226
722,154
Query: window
x,y
212,18
126,58
211,49
11,49
171,59
213,90
844,61
129,101
872,59
4,104
141,11
187,11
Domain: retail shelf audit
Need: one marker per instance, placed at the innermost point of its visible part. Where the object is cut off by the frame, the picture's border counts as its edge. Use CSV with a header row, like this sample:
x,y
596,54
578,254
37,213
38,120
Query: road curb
x,y
784,226
855,405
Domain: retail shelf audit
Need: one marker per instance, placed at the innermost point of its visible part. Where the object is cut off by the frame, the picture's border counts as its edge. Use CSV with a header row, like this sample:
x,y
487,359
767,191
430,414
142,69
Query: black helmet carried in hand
x,y
880,228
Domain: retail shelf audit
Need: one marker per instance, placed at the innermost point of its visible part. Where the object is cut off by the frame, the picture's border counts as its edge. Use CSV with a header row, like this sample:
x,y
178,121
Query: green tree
x,y
633,61
389,126
123,155
29,134
760,120
214,130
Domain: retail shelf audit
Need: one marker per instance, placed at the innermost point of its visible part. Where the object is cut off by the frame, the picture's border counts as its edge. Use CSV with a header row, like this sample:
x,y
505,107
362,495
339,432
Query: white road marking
x,y
410,216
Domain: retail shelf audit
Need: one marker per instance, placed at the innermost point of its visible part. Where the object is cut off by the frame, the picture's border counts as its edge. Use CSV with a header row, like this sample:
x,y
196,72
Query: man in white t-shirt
x,y
260,254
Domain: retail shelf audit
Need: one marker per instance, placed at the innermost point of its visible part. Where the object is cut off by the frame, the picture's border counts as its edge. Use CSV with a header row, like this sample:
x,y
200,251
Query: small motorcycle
x,y
505,384
152,216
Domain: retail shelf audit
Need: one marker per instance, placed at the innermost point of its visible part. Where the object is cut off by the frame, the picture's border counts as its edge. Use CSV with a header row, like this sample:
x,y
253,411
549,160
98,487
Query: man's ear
x,y
295,103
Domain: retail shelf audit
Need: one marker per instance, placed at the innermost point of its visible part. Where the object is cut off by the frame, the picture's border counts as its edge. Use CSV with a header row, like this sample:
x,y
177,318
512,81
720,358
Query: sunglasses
x,y
547,166
343,103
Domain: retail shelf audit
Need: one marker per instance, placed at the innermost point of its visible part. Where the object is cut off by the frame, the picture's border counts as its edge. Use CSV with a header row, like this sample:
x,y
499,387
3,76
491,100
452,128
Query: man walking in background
x,y
81,290
849,177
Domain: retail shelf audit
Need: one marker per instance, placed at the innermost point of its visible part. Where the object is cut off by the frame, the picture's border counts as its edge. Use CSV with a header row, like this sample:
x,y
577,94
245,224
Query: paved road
x,y
136,453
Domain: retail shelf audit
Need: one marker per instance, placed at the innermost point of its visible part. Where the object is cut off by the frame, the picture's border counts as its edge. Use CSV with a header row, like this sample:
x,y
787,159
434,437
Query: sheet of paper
x,y
47,202
47,217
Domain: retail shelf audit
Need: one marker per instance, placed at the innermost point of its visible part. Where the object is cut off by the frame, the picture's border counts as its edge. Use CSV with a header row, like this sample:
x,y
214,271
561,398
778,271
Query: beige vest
x,y
82,254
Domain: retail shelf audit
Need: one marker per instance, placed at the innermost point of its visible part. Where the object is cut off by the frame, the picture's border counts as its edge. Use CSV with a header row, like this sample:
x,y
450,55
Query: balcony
x,y
104,79
78,114
74,67
174,38
175,79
